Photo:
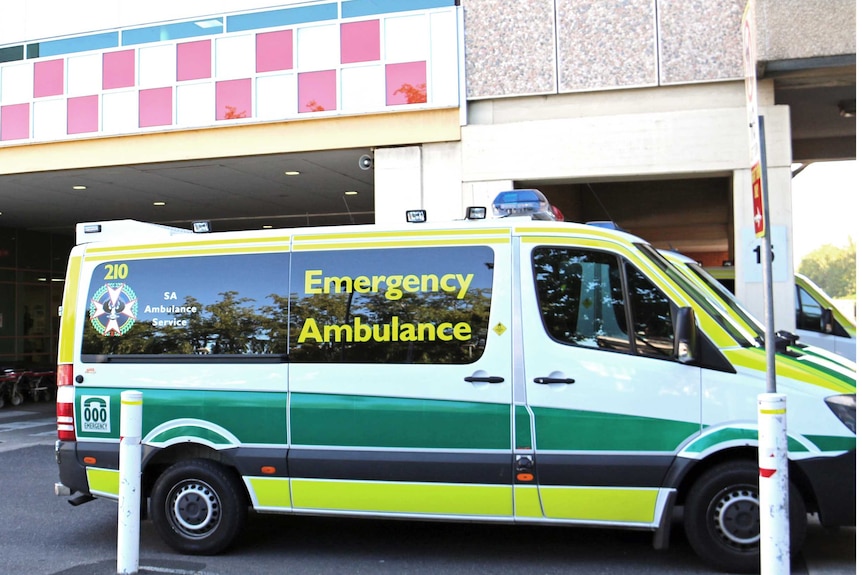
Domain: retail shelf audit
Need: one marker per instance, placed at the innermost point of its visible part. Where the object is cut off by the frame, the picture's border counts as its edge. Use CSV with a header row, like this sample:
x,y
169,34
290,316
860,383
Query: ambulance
x,y
725,300
819,321
513,369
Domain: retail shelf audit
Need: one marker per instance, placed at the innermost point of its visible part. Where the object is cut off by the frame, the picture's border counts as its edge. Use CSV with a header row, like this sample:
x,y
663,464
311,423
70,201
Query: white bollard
x,y
129,515
774,484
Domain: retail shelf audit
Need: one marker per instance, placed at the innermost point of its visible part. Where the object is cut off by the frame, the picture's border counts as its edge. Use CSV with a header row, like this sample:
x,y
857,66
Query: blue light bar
x,y
523,203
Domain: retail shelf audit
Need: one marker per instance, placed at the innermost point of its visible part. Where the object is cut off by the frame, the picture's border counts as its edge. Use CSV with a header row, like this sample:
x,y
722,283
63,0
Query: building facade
x,y
630,110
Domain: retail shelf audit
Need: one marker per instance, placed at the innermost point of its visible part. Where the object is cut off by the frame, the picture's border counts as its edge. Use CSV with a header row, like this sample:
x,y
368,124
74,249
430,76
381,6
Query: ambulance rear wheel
x,y
198,507
722,517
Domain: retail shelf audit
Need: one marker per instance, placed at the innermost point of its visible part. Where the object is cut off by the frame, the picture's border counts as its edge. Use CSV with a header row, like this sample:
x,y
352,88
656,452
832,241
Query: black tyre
x,y
50,389
17,396
43,389
48,394
722,517
198,507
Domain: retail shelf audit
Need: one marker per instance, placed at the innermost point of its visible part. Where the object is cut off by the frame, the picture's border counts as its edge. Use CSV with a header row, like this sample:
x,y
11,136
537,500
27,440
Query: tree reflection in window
x,y
208,306
414,311
231,325
580,294
581,298
417,94
651,315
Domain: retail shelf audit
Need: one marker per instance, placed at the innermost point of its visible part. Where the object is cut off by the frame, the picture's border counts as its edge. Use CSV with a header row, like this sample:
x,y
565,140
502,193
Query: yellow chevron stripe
x,y
401,243
66,352
403,234
103,481
600,504
403,497
216,250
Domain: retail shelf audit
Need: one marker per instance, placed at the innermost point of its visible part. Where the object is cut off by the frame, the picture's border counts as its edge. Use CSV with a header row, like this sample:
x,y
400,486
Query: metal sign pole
x,y
766,260
771,406
774,485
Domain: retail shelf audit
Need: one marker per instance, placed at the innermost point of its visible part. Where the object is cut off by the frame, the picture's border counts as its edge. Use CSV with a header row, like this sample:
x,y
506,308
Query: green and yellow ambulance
x,y
727,302
502,370
819,321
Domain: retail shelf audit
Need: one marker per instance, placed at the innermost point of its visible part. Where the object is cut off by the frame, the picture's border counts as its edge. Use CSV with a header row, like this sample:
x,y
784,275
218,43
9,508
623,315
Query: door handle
x,y
488,379
549,380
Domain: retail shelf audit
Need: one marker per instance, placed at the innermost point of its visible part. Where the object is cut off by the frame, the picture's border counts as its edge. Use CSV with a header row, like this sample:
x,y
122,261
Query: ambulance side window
x,y
651,315
581,297
201,306
428,305
584,295
808,311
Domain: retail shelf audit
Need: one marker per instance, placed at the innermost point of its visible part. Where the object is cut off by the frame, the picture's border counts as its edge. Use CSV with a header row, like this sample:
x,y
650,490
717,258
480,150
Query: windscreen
x,y
729,299
696,294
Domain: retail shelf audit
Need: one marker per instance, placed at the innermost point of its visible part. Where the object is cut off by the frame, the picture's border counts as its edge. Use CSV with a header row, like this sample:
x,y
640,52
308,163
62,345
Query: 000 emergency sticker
x,y
96,413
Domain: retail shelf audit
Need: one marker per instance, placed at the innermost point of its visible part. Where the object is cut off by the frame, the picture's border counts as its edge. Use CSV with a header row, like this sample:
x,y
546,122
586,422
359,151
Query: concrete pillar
x,y
441,181
397,183
414,177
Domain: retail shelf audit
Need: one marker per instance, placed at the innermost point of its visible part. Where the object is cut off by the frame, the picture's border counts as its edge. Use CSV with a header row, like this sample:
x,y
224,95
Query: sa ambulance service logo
x,y
113,309
96,413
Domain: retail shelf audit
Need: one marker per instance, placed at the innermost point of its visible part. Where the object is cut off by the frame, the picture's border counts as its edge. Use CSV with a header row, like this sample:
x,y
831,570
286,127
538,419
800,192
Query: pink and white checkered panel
x,y
359,66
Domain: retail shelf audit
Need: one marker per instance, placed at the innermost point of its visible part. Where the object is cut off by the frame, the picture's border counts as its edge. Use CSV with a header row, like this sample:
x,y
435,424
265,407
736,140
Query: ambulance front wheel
x,y
722,517
198,507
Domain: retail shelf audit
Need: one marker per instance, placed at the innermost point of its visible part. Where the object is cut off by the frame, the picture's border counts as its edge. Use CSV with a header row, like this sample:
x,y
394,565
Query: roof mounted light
x,y
531,203
201,227
416,216
558,213
607,224
476,212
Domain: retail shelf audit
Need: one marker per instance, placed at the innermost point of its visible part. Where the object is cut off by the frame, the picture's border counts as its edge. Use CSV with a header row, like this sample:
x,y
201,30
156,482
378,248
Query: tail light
x,y
65,403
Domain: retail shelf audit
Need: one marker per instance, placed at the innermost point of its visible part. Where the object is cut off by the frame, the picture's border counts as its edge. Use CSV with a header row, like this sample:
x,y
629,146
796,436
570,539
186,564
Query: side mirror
x,y
685,336
783,339
827,320
790,337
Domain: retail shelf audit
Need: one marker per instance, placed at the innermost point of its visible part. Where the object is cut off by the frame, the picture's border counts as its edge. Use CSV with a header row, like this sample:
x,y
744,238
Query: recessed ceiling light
x,y
79,187
158,203
351,193
267,227
291,173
